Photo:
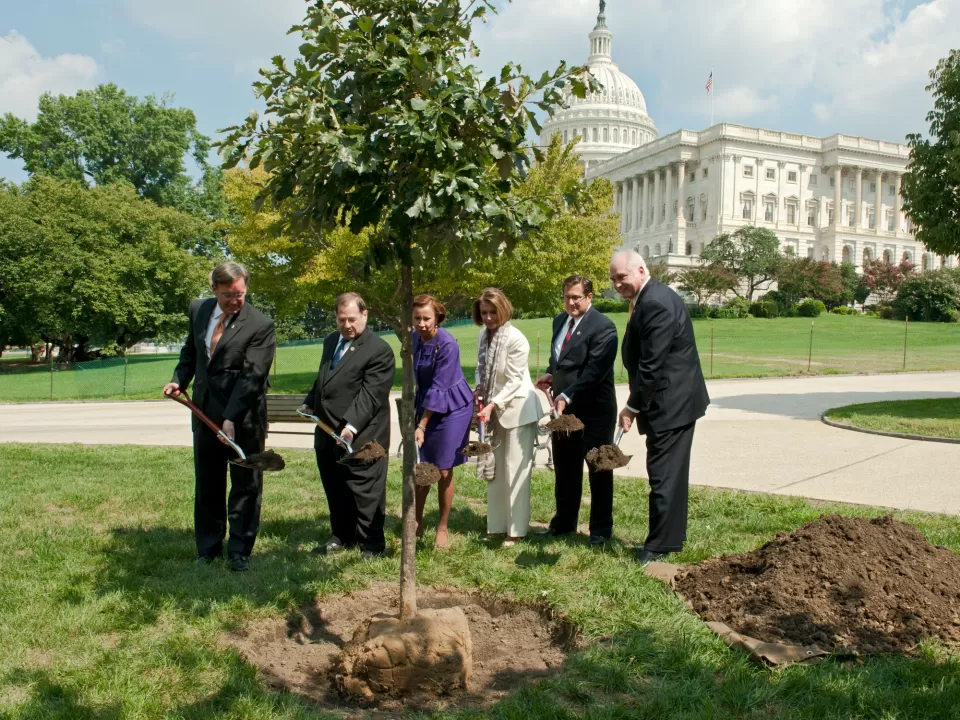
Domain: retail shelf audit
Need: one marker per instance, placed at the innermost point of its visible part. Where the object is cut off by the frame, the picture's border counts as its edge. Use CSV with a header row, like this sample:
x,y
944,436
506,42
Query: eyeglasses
x,y
233,296
575,299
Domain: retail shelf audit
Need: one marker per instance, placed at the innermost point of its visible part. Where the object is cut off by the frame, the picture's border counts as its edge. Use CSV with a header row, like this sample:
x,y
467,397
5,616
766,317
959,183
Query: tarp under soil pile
x,y
839,584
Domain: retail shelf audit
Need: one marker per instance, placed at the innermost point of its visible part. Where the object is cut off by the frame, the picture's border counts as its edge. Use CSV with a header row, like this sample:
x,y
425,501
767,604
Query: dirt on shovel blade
x,y
476,449
565,424
267,461
426,474
607,457
369,453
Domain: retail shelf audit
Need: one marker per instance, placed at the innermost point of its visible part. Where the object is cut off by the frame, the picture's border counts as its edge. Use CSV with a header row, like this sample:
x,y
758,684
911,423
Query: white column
x,y
632,199
781,201
837,196
620,207
801,203
667,195
897,221
878,207
758,199
858,213
656,197
681,195
645,207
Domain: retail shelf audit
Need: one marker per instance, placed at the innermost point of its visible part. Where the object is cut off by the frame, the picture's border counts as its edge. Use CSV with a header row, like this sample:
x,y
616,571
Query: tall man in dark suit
x,y
667,396
580,375
352,396
228,355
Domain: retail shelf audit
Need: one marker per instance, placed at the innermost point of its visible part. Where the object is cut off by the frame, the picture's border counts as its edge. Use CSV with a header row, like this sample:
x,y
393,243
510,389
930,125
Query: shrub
x,y
845,310
885,312
765,309
811,308
734,308
610,305
928,297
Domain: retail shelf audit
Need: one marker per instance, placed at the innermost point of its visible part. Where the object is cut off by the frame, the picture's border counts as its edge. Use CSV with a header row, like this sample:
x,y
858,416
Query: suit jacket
x,y
584,371
357,392
516,399
232,385
660,354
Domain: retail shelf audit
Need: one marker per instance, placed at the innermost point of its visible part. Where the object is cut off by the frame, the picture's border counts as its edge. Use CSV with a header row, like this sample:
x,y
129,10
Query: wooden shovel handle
x,y
181,397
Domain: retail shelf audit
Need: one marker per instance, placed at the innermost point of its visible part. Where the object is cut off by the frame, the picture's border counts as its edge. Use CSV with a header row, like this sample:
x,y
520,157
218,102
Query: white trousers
x,y
508,494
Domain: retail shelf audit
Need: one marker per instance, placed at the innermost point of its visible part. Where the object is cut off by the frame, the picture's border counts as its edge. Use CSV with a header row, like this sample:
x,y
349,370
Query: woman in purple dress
x,y
444,406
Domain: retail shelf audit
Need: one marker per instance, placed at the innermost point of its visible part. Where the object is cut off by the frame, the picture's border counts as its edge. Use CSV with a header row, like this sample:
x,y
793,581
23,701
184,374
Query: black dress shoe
x,y
331,547
239,563
597,540
204,560
554,532
648,556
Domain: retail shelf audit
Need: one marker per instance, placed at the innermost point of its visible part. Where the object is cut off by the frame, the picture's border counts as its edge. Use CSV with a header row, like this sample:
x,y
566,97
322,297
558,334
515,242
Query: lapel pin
x,y
352,348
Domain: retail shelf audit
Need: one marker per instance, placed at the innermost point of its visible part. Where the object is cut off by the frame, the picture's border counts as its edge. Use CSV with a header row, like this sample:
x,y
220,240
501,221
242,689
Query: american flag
x,y
710,82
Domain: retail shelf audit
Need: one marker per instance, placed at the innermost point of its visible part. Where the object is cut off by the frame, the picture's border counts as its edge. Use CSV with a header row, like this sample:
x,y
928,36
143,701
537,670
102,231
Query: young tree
x,y
705,282
384,125
751,253
884,279
931,185
662,273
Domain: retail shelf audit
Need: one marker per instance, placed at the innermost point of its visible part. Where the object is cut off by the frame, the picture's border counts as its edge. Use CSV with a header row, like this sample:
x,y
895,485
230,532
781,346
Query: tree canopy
x,y
751,253
931,185
93,267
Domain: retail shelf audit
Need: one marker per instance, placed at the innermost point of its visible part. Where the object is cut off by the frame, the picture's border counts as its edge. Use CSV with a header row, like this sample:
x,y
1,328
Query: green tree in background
x,y
931,185
751,253
82,268
385,126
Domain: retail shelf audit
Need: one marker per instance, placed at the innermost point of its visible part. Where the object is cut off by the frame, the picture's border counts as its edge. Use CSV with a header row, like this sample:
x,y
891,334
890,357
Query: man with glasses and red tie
x,y
227,355
581,377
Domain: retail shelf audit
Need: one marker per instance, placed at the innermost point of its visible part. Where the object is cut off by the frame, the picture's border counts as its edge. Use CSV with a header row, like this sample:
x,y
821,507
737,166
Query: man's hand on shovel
x,y
229,430
171,389
626,418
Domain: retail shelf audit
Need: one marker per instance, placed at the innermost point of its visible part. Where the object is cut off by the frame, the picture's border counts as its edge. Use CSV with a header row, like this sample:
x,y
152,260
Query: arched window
x,y
585,136
703,208
925,263
689,248
606,134
867,256
596,135
847,254
565,140
888,257
616,135
646,251
656,250
633,137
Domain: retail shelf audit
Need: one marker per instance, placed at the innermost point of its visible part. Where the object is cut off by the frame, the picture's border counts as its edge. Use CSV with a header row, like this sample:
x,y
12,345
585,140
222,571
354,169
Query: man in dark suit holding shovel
x,y
580,374
352,397
227,355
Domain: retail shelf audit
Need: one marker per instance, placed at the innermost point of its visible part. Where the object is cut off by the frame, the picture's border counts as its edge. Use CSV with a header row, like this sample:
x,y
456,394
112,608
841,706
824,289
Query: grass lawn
x,y
740,348
105,616
937,418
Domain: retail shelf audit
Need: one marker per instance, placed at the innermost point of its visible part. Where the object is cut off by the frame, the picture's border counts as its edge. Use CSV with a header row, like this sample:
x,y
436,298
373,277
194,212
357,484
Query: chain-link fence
x,y
728,348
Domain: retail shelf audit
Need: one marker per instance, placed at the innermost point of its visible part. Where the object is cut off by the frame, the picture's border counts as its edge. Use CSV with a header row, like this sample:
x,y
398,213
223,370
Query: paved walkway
x,y
758,435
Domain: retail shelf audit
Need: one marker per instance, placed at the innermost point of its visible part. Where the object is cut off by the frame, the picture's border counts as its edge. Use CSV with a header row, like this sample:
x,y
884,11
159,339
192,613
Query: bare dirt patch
x,y
846,585
607,457
565,425
476,449
426,474
513,644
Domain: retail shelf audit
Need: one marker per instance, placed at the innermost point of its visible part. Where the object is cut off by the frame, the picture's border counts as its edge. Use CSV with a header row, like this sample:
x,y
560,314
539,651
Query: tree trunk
x,y
408,551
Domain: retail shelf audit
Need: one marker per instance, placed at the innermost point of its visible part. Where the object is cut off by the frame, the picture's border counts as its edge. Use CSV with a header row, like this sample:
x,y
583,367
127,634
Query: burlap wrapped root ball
x,y
431,653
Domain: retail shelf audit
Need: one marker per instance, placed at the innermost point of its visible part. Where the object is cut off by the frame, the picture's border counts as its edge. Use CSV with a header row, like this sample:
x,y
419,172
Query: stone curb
x,y
902,436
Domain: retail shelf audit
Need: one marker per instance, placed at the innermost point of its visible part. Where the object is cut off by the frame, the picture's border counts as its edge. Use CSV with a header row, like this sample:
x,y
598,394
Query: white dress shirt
x,y
558,340
343,354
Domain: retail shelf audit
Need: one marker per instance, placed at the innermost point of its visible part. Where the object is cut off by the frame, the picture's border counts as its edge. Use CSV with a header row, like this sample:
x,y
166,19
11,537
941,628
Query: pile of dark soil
x,y
368,454
476,449
565,424
426,474
848,585
607,457
513,645
267,461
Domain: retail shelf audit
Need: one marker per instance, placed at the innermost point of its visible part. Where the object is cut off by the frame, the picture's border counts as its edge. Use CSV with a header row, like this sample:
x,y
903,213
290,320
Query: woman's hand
x,y
486,414
419,435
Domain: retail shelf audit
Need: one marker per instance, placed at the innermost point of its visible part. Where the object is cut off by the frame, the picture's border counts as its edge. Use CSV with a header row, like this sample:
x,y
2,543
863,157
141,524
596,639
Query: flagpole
x,y
713,91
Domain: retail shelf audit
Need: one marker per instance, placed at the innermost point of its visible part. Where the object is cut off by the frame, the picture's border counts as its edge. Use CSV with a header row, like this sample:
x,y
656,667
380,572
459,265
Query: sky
x,y
818,67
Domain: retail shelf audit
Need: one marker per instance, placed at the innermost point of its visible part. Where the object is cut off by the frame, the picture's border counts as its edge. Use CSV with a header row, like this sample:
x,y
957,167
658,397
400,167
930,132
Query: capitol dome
x,y
609,122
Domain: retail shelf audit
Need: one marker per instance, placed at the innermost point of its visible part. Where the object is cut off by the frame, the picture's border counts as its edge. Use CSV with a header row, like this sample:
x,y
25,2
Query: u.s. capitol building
x,y
833,198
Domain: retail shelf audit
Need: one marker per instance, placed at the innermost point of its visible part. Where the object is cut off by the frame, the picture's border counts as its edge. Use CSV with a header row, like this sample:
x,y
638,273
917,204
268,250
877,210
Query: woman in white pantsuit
x,y
512,407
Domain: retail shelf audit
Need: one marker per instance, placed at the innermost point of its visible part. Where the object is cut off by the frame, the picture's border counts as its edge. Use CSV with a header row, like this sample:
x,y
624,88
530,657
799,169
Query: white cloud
x,y
112,47
25,75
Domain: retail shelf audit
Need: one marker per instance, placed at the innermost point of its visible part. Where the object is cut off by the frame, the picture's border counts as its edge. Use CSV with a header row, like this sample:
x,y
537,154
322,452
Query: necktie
x,y
337,354
218,332
563,345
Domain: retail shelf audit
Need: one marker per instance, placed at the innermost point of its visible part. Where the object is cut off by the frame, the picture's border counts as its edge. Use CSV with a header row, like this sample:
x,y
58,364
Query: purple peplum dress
x,y
442,388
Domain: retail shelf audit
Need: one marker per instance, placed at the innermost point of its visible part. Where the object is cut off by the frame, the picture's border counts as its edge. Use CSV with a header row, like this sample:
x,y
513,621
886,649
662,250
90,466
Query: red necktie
x,y
218,333
563,345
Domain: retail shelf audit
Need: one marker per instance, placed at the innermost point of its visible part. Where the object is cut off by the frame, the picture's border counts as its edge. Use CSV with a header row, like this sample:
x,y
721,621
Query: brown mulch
x,y
848,585
476,449
267,461
369,453
565,424
426,474
607,457
514,645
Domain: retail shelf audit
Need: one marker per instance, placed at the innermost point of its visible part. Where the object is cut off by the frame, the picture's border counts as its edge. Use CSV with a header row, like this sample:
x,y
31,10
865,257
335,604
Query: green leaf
x,y
365,24
419,104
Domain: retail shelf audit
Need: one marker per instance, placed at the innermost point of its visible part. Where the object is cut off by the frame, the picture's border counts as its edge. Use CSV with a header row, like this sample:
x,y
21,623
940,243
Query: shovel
x,y
614,459
347,459
426,474
481,447
267,461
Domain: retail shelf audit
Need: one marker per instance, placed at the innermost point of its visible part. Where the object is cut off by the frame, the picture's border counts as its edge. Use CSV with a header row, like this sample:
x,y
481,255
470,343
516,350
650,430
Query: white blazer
x,y
516,401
